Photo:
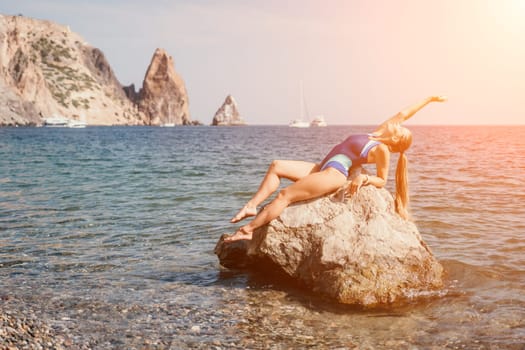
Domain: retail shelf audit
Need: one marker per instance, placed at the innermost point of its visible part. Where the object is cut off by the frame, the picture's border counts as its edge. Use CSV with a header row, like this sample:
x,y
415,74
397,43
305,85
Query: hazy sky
x,y
359,61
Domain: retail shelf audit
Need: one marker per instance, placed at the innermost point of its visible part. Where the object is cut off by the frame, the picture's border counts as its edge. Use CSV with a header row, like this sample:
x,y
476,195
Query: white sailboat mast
x,y
304,108
301,89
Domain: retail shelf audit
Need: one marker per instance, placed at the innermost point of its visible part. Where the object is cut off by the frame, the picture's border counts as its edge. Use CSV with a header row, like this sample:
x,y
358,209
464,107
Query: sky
x,y
356,61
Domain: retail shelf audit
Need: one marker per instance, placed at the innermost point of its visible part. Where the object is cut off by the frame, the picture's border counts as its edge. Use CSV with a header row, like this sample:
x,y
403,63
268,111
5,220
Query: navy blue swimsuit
x,y
351,152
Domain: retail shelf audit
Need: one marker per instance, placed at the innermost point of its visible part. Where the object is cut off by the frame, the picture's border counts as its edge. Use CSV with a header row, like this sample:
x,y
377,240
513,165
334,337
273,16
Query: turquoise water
x,y
109,233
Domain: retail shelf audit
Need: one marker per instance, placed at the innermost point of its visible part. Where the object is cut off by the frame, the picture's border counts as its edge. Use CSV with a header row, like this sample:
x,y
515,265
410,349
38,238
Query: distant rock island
x,y
228,114
163,96
46,70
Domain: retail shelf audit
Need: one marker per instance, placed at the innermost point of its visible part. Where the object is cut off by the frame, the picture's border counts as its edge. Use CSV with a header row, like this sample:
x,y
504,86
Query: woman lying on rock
x,y
313,180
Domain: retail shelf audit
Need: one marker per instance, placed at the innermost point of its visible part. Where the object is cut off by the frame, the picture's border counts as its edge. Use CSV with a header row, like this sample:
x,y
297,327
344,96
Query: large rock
x,y
163,97
357,251
228,114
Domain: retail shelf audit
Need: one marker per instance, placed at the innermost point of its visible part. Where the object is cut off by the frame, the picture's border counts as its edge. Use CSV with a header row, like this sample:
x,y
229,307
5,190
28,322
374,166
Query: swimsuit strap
x,y
367,148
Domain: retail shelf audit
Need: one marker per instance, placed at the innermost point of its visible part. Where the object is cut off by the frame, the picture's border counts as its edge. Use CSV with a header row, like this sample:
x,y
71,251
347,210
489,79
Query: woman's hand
x,y
439,98
357,182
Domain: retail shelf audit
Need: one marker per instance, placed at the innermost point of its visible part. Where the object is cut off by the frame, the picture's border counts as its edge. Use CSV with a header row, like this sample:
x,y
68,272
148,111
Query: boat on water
x,y
169,123
63,122
318,121
76,124
305,122
299,123
56,122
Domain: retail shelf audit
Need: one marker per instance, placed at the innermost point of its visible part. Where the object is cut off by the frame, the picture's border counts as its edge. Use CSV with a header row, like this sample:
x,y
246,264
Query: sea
x,y
108,234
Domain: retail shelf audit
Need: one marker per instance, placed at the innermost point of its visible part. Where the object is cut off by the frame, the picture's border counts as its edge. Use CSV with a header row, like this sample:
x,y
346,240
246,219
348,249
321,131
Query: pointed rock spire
x,y
228,114
163,97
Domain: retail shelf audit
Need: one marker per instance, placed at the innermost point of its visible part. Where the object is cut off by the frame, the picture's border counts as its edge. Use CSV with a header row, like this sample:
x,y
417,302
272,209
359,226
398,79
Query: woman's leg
x,y
288,169
311,186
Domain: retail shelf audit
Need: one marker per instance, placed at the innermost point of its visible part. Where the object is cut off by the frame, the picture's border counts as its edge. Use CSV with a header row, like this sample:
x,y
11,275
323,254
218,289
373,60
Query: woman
x,y
314,180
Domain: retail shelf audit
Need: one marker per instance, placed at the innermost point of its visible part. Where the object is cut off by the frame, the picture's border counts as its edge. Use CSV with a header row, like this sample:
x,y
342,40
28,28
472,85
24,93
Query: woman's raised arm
x,y
408,112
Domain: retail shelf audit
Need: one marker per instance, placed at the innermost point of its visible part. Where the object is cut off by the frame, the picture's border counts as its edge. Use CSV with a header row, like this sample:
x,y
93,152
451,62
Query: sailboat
x,y
169,124
301,123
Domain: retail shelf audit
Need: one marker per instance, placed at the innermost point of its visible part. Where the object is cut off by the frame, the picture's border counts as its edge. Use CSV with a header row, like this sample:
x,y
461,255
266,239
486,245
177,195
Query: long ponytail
x,y
402,197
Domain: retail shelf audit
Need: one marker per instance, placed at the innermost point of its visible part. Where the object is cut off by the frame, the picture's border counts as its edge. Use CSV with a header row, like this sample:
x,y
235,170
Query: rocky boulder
x,y
228,114
163,97
355,251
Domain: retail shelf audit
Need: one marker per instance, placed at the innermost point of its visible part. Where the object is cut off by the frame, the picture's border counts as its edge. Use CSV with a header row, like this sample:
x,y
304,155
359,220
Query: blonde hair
x,y
402,142
398,139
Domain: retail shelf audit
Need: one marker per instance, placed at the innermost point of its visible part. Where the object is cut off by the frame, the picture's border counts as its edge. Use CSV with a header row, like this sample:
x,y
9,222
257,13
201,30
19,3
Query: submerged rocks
x,y
357,251
24,330
228,114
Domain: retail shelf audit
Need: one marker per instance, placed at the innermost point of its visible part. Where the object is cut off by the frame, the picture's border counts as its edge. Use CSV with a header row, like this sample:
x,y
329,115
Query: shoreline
x,y
20,326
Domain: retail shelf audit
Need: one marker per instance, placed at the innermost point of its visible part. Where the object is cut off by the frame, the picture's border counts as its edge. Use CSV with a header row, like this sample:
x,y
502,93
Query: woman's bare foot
x,y
245,212
240,234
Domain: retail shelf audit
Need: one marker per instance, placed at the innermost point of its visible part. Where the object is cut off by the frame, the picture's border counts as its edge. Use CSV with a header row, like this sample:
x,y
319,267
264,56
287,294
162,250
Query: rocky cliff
x,y
163,96
228,114
47,70
358,251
